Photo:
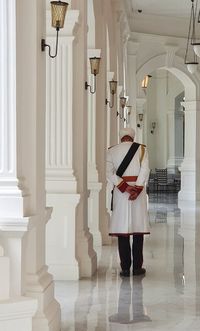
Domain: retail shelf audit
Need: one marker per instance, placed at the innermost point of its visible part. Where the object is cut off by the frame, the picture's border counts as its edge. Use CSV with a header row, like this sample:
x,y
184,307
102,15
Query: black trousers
x,y
125,251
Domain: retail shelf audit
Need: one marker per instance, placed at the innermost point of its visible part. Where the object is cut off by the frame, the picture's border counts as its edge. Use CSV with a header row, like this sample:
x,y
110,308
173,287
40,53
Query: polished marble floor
x,y
167,298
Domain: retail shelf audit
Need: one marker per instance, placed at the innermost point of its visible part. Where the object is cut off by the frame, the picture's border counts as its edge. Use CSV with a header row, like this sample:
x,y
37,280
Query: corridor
x,y
72,76
168,297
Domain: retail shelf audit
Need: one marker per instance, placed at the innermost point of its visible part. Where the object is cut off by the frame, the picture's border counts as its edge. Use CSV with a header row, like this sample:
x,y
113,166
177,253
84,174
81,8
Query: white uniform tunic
x,y
128,217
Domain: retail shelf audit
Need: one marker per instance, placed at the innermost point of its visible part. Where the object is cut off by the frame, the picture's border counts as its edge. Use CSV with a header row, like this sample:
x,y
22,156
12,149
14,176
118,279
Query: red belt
x,y
130,178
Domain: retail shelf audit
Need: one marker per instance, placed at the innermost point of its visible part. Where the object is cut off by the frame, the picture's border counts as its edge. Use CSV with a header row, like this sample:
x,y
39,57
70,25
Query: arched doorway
x,y
190,164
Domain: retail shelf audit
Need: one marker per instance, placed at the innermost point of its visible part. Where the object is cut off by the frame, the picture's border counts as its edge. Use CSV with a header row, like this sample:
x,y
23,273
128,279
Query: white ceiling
x,y
176,8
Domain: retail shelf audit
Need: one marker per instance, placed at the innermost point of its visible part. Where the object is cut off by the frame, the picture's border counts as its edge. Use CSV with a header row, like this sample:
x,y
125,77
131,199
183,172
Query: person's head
x,y
127,134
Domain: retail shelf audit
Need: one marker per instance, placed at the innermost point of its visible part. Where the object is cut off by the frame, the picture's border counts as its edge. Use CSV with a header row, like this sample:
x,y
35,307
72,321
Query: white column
x,y
4,274
110,76
113,125
171,162
112,128
61,184
140,103
189,219
132,82
9,190
179,140
101,119
120,123
22,194
94,185
175,123
84,241
31,105
188,167
197,156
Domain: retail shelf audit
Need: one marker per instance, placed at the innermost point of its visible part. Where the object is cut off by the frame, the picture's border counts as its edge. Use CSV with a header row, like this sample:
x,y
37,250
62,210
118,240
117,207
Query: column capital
x,y
110,75
133,47
94,52
140,103
191,105
170,111
170,54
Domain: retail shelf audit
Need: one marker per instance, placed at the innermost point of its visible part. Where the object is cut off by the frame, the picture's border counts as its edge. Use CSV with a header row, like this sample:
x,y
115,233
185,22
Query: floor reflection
x,y
168,297
130,305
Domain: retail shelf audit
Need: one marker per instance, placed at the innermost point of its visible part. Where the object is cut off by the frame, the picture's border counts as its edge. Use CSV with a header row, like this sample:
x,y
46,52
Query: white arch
x,y
189,179
190,82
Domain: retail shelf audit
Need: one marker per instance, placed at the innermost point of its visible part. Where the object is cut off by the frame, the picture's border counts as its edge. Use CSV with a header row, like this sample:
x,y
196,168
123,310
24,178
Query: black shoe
x,y
138,272
125,273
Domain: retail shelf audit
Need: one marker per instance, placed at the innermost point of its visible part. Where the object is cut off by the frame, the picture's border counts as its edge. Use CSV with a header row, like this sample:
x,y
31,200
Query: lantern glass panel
x,y
58,12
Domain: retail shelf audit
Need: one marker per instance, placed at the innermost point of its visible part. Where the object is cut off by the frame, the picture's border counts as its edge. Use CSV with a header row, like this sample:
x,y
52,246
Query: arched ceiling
x,y
173,8
160,17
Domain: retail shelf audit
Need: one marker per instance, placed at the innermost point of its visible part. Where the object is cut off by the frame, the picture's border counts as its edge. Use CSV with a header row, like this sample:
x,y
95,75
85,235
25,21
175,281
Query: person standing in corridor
x,y
128,172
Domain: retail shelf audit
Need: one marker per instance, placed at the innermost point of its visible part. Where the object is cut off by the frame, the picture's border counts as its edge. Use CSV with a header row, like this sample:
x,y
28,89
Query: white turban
x,y
127,132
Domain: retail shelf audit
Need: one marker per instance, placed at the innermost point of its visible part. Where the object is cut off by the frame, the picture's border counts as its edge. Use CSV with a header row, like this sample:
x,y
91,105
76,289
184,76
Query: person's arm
x,y
142,177
113,178
144,170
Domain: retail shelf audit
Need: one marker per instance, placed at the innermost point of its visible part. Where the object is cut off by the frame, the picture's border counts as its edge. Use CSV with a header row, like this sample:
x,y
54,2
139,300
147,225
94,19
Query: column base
x,y
173,164
106,239
64,271
17,314
186,196
188,182
93,212
41,287
86,255
60,243
4,277
50,321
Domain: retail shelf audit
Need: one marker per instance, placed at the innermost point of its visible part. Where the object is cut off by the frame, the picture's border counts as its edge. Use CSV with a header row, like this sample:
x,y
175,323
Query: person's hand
x,y
135,192
133,196
130,189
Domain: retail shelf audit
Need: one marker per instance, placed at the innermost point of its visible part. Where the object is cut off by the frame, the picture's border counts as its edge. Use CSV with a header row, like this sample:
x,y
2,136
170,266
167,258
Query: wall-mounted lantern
x,y
94,65
128,113
145,82
123,101
58,12
113,90
153,126
140,116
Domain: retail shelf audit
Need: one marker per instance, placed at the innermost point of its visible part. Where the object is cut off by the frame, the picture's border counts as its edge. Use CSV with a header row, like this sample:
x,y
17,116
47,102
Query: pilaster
x,y
23,210
101,120
189,221
189,164
171,162
110,76
120,124
133,47
85,253
140,104
94,186
61,184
